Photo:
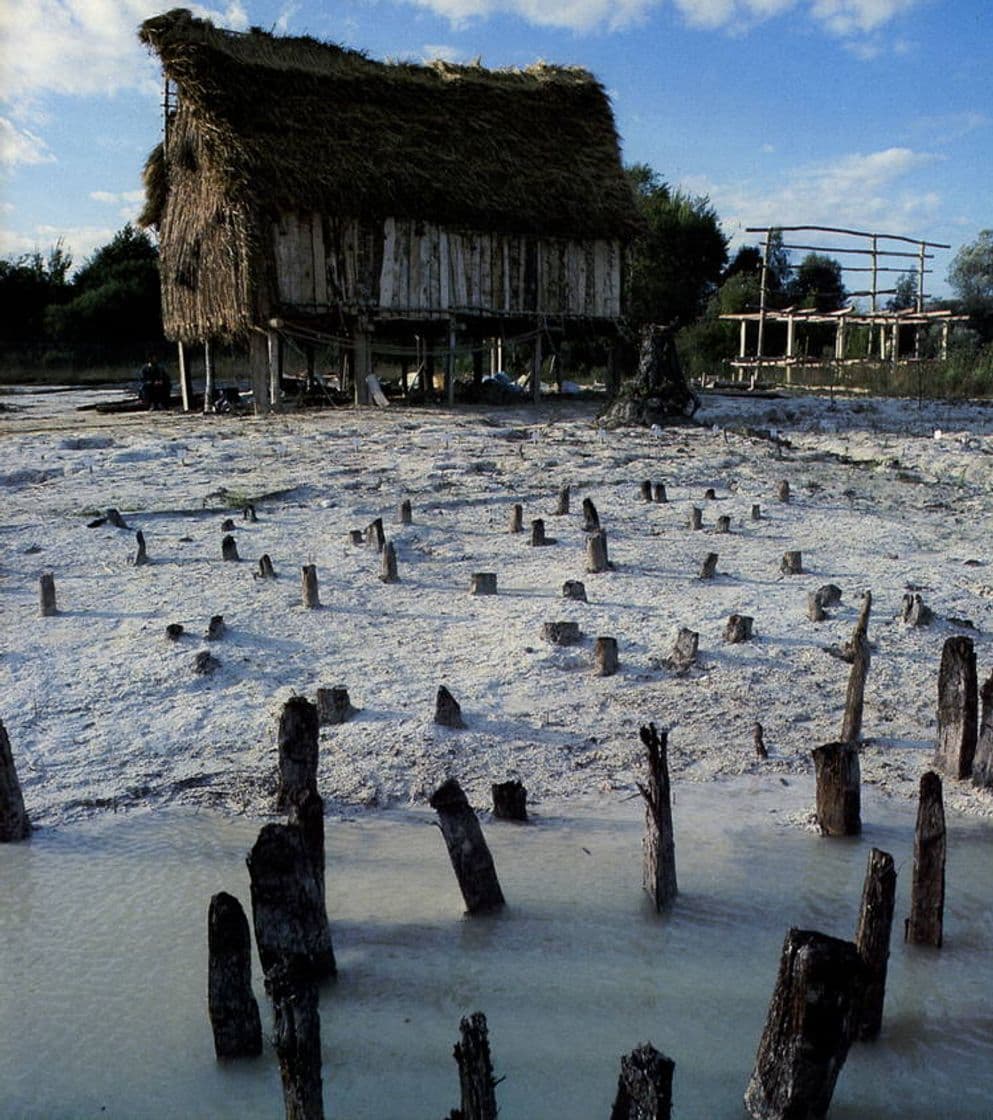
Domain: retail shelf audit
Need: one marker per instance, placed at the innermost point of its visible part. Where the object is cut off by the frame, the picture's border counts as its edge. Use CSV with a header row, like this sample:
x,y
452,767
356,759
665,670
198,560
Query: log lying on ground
x,y
561,633
574,589
596,552
309,589
872,939
709,567
591,519
297,1039
738,628
684,650
483,583
141,556
562,506
388,564
658,845
925,926
982,763
229,548
231,1004
467,849
404,513
808,1029
958,708
516,518
14,822
510,801
605,657
298,750
839,789
46,591
447,712
333,706
914,611
644,1088
476,1081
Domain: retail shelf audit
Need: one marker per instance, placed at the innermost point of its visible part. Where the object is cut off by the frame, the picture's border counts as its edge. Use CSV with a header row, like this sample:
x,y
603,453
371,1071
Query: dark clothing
x,y
154,390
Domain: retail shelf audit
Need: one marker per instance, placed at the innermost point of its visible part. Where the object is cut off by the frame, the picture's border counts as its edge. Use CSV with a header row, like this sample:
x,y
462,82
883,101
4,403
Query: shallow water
x,y
103,959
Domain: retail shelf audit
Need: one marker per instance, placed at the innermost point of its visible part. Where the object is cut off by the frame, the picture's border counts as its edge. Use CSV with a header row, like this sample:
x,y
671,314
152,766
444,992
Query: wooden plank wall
x,y
417,269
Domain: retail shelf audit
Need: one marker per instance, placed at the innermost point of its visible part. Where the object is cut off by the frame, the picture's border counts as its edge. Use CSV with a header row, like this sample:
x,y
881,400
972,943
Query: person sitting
x,y
154,389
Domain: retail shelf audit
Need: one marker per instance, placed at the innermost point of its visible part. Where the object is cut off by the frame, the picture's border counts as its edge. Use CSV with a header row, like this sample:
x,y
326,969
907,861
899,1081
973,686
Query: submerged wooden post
x,y
471,859
14,822
596,552
476,1081
231,1004
982,763
510,801
839,792
872,939
658,846
306,812
591,519
925,926
958,704
644,1088
297,1039
808,1028
309,590
46,589
298,750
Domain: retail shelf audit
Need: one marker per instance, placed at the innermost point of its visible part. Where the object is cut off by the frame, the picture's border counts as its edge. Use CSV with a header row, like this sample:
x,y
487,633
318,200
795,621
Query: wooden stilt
x,y
958,708
258,365
483,583
872,939
574,589
185,379
759,741
791,564
709,567
476,1080
467,849
562,505
684,650
404,515
208,377
14,822
839,789
658,848
925,926
644,1088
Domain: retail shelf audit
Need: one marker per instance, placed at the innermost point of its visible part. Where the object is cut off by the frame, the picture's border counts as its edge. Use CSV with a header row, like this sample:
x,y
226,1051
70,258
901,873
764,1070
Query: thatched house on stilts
x,y
304,190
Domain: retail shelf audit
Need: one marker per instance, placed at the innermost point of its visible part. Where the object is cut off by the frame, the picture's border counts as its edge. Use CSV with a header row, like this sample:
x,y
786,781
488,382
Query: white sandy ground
x,y
104,713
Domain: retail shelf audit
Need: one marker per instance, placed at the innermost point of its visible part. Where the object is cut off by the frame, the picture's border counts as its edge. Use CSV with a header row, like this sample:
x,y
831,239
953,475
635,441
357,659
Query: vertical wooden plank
x,y
387,276
486,272
185,381
258,365
505,253
579,251
274,356
208,378
444,273
320,260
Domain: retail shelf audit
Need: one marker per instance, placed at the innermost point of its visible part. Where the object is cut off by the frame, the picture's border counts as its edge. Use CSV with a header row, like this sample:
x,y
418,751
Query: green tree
x,y
677,262
818,283
28,285
904,293
971,278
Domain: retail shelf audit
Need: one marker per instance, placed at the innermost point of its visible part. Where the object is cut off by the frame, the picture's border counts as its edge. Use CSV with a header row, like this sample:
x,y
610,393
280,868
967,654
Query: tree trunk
x,y
14,822
471,859
644,1088
596,552
605,656
839,795
872,939
982,763
958,705
297,1038
927,888
808,1029
658,848
510,801
476,1080
46,588
298,750
309,590
231,1004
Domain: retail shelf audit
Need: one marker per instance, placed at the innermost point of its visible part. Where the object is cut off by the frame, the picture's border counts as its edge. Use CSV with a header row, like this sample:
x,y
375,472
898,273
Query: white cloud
x,y
79,242
851,17
444,51
117,197
19,146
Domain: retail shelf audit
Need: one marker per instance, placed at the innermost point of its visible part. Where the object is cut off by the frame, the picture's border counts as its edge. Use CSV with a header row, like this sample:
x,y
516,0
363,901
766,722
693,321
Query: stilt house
x,y
302,187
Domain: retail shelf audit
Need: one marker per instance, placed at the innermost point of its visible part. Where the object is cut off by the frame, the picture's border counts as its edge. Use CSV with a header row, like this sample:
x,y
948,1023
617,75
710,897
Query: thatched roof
x,y
297,124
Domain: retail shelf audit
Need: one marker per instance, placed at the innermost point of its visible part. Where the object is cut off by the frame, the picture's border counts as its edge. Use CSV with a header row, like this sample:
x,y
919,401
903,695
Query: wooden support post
x,y
710,494
958,707
208,377
591,519
477,362
46,592
363,362
516,518
274,345
309,589
982,763
310,386
215,628
538,538
658,846
709,567
872,939
914,611
231,1004
644,1088
605,657
298,750
756,512
297,1039
333,706
808,1028
536,371
258,365
596,552
476,1080
758,740
375,535
839,789
185,379
14,822
925,926
266,570
471,859
450,365
404,515
696,518
574,589
562,505
447,711
510,801
483,583
388,564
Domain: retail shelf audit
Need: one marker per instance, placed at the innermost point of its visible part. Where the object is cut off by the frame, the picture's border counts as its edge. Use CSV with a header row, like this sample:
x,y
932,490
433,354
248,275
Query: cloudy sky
x,y
871,114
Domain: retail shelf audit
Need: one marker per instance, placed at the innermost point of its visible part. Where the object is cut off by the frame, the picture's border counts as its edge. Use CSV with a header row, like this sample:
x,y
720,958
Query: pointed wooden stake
x,y
872,939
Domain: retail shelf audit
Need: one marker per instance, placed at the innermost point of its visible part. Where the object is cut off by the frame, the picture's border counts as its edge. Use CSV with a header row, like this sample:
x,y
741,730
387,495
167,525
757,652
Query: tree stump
x,y
644,1088
291,924
815,611
783,491
114,518
828,595
248,513
388,564
791,564
483,583
839,790
982,763
605,657
404,513
333,706
927,889
476,1081
174,631
684,650
447,712
205,664
561,633
574,589
562,506
596,552
872,939
756,512
808,1028
215,628
46,588
709,567
696,517
914,612
309,590
229,548
516,518
510,801
658,493
851,726
710,494
227,525
141,556
738,628
14,822
356,536
958,708
471,859
646,491
658,847
591,519
724,523
538,538
759,741
266,570
298,750
231,1004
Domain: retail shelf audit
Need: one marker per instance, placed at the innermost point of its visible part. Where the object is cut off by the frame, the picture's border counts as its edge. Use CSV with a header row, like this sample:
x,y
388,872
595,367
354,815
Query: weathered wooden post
x,y
982,763
658,493
467,849
808,1028
914,611
306,812
14,822
925,926
388,564
476,1081
510,801
375,535
309,589
248,513
483,583
447,711
759,741
696,517
644,1088
958,704
738,628
46,588
709,566
724,523
561,632
215,628
839,791
333,706
792,563
141,556
783,490
538,537
297,1039
596,552
231,1004
114,518
298,750
684,650
605,657
756,512
872,939
591,519
266,570
574,589
815,610
516,518
404,514
229,548
658,846
562,506
858,647
174,631
646,491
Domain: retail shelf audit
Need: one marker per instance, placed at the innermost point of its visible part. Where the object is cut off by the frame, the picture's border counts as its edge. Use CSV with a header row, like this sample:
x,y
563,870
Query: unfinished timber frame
x,y
875,254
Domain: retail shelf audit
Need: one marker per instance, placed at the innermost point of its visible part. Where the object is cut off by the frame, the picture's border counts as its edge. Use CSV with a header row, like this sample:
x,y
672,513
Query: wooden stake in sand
x,y
759,741
658,846
266,570
483,583
562,506
658,493
561,633
605,657
306,812
596,552
710,494
724,523
510,801
174,631
333,706
738,628
684,650
958,708
982,763
297,1039
476,1080
248,513
872,939
516,518
709,568
375,535
298,751
388,564
696,517
808,1028
591,519
309,590
851,726
574,589
839,789
783,490
114,518
644,1088
792,563
46,589
141,556
815,611
538,537
927,889
914,611
229,548
215,628
231,1004
447,712
404,513
471,859
756,513
14,822
646,491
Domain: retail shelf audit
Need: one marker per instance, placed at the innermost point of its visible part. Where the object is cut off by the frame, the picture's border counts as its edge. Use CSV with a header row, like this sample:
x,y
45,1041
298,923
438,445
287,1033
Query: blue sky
x,y
870,114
